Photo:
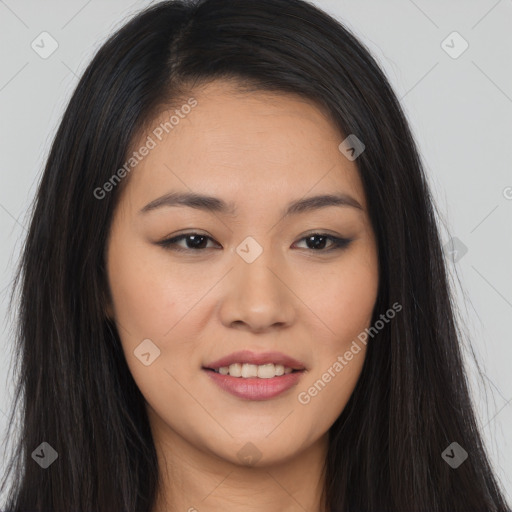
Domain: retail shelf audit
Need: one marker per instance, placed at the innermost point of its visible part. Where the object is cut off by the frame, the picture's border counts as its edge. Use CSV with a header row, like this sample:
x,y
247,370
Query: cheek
x,y
149,299
154,298
149,295
351,303
343,299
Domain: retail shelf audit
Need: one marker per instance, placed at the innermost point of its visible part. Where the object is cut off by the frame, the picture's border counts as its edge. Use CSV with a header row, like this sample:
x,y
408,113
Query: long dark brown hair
x,y
74,388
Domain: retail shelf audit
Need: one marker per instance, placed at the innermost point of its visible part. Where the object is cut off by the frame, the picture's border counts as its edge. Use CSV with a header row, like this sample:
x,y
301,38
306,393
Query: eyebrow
x,y
216,205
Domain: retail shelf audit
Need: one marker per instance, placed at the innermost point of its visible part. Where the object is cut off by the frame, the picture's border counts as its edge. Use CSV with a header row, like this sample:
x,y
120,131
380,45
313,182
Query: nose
x,y
257,297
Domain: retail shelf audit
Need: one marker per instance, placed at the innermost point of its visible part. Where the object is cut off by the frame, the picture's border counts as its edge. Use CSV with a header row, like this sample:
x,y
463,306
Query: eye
x,y
197,242
317,241
193,241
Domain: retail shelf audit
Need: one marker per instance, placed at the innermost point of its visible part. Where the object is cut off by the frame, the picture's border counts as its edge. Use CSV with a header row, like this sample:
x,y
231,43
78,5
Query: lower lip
x,y
255,388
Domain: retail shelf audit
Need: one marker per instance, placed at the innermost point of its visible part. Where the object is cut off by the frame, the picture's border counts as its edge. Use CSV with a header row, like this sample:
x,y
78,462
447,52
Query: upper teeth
x,y
263,371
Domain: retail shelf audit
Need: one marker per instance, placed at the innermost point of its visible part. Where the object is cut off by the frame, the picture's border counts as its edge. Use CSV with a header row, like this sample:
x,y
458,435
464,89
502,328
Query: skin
x,y
259,151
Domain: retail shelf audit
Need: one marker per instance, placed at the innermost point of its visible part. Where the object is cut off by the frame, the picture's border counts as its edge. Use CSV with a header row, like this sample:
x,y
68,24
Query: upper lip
x,y
246,356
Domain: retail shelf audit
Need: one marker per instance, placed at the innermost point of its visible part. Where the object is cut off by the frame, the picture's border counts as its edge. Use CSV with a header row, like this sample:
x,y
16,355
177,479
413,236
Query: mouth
x,y
255,376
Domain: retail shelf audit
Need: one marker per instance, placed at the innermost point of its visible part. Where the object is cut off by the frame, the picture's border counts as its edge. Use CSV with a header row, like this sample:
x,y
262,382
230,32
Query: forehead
x,y
244,147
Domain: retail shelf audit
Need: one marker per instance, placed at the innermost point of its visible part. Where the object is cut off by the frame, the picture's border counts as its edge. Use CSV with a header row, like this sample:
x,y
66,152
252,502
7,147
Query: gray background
x,y
459,109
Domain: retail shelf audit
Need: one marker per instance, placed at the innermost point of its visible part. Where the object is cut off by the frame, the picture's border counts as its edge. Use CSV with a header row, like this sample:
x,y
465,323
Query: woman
x,y
233,294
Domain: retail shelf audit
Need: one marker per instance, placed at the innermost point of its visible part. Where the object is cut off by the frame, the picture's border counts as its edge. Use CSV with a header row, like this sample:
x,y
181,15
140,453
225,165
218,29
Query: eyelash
x,y
170,243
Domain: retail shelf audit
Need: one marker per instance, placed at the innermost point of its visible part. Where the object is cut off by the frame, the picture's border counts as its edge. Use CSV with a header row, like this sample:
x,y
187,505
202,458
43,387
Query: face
x,y
192,284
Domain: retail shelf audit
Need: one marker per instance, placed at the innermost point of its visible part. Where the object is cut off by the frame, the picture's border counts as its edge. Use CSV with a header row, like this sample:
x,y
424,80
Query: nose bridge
x,y
258,296
253,269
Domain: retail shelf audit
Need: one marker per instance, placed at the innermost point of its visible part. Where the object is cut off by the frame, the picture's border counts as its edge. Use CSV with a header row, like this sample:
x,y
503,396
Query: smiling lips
x,y
253,376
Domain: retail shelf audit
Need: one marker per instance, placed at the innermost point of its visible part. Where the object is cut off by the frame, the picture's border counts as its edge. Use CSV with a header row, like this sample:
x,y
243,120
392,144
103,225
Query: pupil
x,y
197,241
318,245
